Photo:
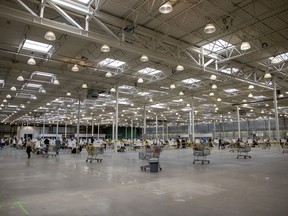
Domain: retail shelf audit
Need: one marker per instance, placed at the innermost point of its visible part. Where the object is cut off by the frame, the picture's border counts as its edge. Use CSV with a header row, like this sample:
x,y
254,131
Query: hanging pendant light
x,y
151,100
172,86
68,94
213,77
181,93
50,36
245,45
251,87
13,88
31,61
144,58
75,68
84,86
140,80
105,48
267,76
108,74
219,99
112,89
20,78
166,8
179,68
209,28
214,86
211,94
250,95
56,82
8,96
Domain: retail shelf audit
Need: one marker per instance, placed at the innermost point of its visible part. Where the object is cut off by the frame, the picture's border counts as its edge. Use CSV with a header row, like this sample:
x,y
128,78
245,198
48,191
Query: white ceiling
x,y
133,28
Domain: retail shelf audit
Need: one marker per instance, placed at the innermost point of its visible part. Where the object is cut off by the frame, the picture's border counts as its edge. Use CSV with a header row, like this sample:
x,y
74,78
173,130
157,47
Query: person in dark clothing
x,y
29,145
46,143
220,144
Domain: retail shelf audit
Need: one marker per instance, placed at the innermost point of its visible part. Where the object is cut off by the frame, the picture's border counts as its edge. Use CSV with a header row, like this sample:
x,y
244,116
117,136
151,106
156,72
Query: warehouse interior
x,y
139,72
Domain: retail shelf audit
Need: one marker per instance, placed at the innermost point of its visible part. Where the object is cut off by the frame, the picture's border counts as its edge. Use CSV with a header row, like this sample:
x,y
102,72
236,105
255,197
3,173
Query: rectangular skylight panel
x,y
232,90
39,73
259,97
230,70
111,63
143,93
149,71
36,46
217,45
190,81
279,58
126,87
84,1
33,85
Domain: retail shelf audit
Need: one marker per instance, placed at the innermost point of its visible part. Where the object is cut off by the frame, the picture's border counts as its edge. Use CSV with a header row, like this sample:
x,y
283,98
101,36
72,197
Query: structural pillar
x,y
276,114
238,120
78,120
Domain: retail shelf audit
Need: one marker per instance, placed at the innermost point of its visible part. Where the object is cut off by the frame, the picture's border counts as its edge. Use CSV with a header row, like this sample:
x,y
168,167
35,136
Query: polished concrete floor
x,y
67,185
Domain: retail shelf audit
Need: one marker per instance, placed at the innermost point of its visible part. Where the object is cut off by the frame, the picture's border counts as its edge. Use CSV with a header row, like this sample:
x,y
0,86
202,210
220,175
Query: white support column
x,y
57,126
193,124
131,129
113,130
276,113
116,116
126,132
156,128
43,129
190,125
92,129
144,129
98,131
78,120
269,128
65,132
167,131
163,136
214,129
42,7
238,120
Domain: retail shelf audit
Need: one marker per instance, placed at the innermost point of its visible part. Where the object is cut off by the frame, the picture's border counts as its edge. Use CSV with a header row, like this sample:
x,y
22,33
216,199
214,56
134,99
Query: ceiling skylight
x,y
111,63
84,1
36,46
149,71
160,106
126,87
232,90
259,97
190,81
230,70
143,93
279,58
218,45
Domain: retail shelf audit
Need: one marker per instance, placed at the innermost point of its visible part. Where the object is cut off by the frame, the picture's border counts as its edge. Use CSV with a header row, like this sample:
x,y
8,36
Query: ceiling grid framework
x,y
135,28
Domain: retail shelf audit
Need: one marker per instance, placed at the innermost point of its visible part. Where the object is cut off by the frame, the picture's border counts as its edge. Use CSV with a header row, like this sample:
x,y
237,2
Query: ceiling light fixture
x,y
281,96
211,94
34,97
50,36
8,96
56,82
251,87
84,86
172,86
166,8
105,48
181,93
151,100
144,58
219,99
75,68
43,91
112,89
4,101
140,80
31,61
267,76
108,74
20,78
213,77
214,86
245,45
68,94
179,68
13,88
209,28
250,95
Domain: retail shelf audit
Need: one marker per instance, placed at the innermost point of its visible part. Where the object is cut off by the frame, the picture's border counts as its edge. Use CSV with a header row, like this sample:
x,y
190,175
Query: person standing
x,y
29,145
